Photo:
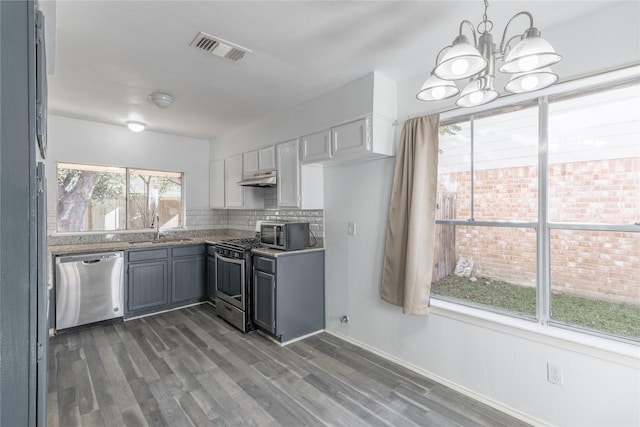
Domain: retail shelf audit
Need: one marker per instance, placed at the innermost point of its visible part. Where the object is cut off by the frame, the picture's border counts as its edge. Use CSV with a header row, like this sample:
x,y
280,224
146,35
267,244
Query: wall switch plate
x,y
554,374
351,228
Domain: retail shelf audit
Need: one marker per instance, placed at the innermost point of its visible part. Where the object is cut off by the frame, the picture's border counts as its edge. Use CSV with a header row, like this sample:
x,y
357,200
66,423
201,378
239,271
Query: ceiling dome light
x,y
161,100
435,88
533,80
462,60
135,126
531,53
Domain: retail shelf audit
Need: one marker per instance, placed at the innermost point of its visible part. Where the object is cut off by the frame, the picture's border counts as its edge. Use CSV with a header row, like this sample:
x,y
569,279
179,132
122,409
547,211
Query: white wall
x,y
81,141
504,365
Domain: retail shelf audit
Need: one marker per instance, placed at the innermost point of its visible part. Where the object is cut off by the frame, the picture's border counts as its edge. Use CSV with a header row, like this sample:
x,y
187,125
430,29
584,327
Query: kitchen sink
x,y
156,242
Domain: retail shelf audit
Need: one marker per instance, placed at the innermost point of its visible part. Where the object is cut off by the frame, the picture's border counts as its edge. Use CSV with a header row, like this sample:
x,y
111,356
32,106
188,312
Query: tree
x,y
78,188
75,189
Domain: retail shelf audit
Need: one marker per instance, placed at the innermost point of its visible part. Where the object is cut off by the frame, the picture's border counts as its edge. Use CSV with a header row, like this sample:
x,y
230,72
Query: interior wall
x,y
81,141
502,365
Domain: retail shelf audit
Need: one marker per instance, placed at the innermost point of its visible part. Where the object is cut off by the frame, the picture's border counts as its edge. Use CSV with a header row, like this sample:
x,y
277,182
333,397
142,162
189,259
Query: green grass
x,y
609,317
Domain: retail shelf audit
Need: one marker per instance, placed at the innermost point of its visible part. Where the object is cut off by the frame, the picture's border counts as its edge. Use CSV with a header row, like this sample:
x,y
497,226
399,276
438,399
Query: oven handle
x,y
231,260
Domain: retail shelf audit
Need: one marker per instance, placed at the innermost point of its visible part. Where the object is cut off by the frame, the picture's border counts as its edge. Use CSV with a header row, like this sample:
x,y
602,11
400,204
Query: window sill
x,y
607,349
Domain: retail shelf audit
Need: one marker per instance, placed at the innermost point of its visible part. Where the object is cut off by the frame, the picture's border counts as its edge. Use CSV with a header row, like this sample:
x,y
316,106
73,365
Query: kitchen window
x,y
538,211
104,198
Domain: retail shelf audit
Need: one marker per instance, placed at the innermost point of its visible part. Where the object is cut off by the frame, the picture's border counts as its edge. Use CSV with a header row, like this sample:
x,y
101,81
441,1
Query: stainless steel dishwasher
x,y
89,288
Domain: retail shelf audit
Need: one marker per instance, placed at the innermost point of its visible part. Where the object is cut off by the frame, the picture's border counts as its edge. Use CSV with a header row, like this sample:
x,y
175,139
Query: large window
x,y
102,198
539,209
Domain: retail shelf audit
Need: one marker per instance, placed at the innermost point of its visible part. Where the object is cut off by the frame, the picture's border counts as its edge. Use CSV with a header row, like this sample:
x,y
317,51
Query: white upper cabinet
x,y
288,165
237,196
299,186
216,184
351,138
267,158
316,147
234,194
362,139
259,160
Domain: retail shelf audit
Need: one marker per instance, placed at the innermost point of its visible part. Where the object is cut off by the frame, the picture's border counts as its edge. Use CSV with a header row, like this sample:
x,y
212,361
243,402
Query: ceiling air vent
x,y
219,47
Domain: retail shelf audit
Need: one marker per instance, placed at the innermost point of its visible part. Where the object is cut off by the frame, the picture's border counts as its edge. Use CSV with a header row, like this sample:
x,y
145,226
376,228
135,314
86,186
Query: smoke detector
x,y
219,47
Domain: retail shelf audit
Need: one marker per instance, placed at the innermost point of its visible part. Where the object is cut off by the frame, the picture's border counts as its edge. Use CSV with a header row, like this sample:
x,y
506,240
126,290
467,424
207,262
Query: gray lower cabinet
x,y
163,278
288,294
147,280
188,268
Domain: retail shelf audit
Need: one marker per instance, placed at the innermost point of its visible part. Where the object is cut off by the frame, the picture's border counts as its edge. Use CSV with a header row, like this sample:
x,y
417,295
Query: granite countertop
x,y
275,253
169,240
67,249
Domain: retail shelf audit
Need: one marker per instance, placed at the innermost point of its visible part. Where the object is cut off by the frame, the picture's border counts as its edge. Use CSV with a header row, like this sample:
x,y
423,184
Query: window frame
x,y
127,172
542,226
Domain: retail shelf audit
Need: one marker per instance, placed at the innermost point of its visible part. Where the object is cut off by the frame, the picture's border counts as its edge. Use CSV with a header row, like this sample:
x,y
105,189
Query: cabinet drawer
x,y
148,254
187,250
264,264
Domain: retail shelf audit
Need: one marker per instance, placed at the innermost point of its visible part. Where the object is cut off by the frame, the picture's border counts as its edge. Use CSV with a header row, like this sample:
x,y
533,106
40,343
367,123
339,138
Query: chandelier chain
x,y
486,24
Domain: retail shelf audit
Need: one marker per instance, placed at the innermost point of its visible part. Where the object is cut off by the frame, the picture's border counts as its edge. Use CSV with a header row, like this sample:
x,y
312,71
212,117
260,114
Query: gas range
x,y
234,278
239,245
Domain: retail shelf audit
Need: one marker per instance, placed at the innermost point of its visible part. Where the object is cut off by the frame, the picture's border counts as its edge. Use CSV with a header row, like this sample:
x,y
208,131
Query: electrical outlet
x,y
554,374
351,228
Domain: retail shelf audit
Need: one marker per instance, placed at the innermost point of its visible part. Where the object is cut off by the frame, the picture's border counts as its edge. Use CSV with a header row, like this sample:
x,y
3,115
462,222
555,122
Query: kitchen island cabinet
x,y
288,294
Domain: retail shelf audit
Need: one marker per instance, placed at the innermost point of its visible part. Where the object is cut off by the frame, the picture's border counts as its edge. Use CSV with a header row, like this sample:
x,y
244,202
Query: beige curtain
x,y
408,258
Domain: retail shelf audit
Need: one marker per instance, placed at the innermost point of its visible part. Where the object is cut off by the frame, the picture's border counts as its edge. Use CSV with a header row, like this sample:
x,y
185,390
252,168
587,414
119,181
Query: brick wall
x,y
603,265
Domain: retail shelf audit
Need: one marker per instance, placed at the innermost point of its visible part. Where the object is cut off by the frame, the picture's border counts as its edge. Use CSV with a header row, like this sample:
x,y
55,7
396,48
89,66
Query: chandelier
x,y
528,62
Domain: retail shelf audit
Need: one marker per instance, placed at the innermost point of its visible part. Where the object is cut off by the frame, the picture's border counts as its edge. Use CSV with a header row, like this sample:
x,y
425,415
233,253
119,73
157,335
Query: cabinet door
x,y
147,285
234,195
288,160
316,147
351,138
264,300
267,158
250,163
216,184
187,276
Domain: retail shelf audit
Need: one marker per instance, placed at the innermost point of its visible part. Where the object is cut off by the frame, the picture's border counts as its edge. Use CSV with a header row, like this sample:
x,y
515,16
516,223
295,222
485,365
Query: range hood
x,y
260,179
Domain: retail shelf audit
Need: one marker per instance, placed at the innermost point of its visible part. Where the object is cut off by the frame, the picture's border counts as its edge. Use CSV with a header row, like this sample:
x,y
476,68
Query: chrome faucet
x,y
156,222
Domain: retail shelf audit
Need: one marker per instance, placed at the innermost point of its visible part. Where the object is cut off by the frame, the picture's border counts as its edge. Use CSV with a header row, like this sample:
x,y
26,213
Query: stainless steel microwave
x,y
286,236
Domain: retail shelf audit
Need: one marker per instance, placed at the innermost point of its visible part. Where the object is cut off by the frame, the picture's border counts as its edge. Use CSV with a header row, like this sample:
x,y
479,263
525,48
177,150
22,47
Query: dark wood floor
x,y
189,368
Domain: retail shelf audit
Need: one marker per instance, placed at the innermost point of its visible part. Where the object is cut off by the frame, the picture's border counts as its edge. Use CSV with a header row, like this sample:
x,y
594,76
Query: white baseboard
x,y
457,387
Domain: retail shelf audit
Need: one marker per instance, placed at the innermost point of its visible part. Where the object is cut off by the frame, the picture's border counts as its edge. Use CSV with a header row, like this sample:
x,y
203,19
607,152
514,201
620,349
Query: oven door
x,y
230,280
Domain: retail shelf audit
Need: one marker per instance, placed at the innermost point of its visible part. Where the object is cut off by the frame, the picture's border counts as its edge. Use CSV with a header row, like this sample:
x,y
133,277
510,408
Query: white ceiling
x,y
110,55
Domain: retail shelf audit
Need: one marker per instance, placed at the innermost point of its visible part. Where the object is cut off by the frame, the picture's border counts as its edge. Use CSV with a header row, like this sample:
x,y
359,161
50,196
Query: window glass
x,y
594,280
494,266
91,198
95,198
594,158
454,168
489,172
506,166
154,193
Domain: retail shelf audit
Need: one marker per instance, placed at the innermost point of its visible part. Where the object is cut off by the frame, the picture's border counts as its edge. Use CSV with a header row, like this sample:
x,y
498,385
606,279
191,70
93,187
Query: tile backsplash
x,y
199,220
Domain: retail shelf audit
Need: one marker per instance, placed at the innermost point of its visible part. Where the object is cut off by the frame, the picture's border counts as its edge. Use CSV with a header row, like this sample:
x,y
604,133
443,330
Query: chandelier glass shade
x,y
528,62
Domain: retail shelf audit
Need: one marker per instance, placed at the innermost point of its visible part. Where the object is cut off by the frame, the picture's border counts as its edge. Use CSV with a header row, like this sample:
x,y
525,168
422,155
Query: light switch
x,y
351,228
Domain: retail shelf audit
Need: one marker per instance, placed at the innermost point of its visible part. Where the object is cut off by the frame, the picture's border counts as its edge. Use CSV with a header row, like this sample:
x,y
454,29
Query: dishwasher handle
x,y
89,259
